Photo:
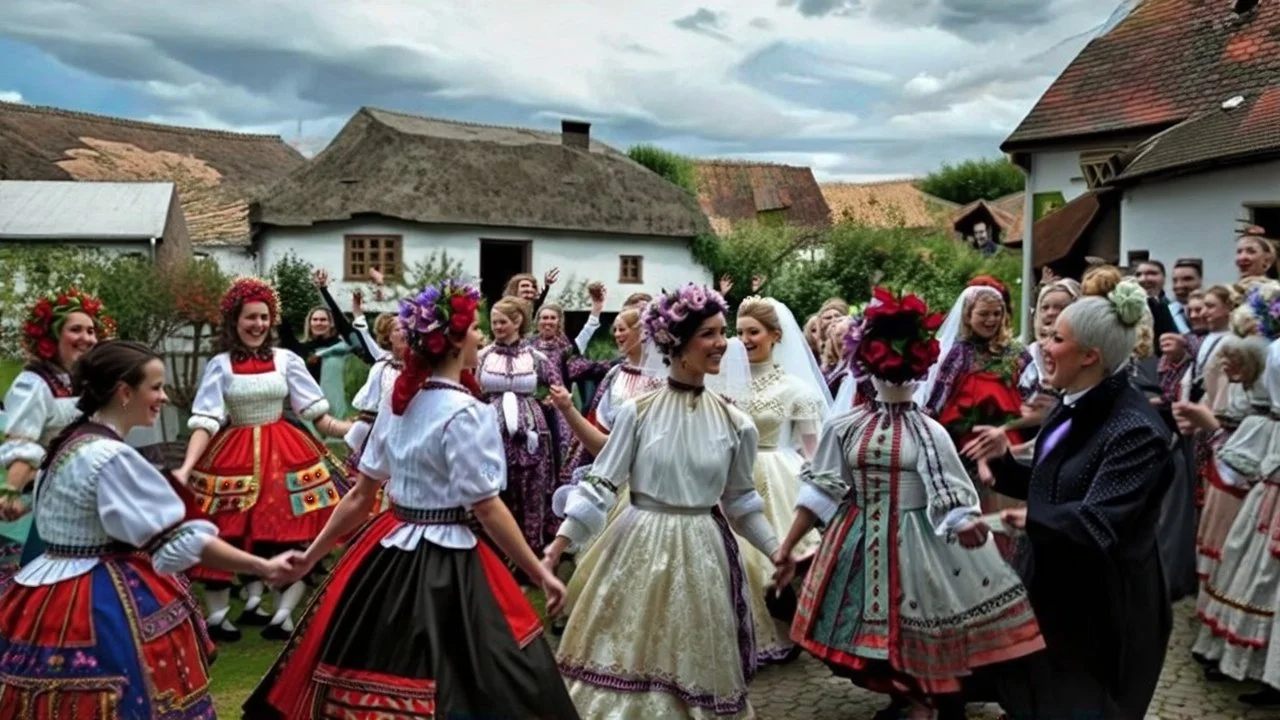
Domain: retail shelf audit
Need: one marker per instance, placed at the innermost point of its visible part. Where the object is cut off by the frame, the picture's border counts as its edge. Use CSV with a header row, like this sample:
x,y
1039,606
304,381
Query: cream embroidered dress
x,y
787,418
660,625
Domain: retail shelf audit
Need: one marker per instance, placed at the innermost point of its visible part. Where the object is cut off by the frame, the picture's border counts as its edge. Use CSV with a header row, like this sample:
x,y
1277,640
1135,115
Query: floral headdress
x,y
897,341
245,290
1263,304
438,313
669,309
994,284
45,319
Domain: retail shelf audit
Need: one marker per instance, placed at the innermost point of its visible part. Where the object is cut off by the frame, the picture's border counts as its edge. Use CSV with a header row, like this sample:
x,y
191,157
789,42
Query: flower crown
x,y
669,309
438,313
897,341
1263,303
45,318
245,290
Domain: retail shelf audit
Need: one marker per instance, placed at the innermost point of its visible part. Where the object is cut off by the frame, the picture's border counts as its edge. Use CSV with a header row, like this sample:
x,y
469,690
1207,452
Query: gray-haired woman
x,y
1089,557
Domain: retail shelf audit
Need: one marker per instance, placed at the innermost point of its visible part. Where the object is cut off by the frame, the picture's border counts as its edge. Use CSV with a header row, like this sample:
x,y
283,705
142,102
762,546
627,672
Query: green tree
x,y
291,276
984,179
198,289
673,167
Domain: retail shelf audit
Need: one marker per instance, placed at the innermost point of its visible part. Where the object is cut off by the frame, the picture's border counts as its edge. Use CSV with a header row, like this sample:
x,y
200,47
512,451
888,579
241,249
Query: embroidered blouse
x,y
35,415
226,396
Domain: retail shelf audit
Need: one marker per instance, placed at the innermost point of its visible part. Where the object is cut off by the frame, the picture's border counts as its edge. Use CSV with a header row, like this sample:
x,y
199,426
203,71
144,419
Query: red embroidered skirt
x,y
432,632
120,641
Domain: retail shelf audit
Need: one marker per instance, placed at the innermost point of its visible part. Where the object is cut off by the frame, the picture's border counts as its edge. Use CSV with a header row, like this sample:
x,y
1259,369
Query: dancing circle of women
x,y
934,512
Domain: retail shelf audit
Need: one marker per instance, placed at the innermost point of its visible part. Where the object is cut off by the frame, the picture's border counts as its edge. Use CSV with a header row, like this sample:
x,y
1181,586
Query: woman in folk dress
x,y
263,481
419,619
390,347
662,625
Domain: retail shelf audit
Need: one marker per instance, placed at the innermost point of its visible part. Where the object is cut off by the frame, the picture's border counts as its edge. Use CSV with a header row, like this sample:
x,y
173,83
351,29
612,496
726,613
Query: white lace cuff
x,y
817,502
15,449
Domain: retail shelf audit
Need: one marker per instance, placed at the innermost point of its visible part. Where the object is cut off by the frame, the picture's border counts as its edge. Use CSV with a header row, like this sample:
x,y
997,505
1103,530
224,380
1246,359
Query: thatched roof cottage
x,y
393,188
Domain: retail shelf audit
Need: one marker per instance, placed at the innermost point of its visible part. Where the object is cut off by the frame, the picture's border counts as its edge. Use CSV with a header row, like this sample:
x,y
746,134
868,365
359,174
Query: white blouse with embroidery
x,y
377,388
99,492
255,399
679,450
444,452
34,417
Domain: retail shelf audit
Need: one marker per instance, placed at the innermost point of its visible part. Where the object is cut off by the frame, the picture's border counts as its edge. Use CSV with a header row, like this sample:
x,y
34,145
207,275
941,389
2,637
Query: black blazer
x,y
1089,557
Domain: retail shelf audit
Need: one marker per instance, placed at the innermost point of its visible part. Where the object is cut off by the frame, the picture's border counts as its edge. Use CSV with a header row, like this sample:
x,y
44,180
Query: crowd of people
x,y
934,511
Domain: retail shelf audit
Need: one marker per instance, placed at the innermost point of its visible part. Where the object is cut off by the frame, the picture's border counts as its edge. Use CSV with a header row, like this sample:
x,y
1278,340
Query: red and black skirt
x,y
428,633
120,641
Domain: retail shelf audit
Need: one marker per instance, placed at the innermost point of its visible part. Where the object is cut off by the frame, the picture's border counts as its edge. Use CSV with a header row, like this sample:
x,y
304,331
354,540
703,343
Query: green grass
x,y
240,666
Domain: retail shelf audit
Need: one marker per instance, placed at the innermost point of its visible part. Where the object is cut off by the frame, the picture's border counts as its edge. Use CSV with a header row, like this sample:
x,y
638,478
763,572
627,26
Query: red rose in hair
x,y
459,303
873,352
46,349
63,299
883,303
44,310
91,306
436,343
33,330
922,354
913,304
460,322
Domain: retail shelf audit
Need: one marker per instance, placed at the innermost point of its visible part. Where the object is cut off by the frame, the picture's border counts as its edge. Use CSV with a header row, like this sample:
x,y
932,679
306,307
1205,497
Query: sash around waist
x,y
431,516
644,502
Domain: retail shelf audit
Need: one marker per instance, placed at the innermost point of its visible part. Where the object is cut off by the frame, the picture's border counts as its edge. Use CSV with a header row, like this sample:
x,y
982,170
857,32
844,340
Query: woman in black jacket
x,y
1089,555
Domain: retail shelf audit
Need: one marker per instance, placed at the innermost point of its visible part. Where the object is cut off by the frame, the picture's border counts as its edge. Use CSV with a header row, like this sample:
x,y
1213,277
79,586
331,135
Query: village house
x,y
1157,140
392,189
888,204
731,192
1000,220
142,218
215,173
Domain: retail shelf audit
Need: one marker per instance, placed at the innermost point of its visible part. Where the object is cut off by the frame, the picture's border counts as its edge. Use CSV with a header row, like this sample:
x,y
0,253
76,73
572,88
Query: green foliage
x,y
601,347
32,271
573,295
436,267
354,374
141,303
291,276
752,249
673,167
984,179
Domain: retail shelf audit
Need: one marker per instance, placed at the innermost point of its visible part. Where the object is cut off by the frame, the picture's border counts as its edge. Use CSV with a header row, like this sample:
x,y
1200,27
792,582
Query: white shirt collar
x,y
1070,399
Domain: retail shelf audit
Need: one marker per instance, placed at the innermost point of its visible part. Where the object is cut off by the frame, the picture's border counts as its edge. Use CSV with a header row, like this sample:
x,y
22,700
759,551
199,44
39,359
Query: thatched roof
x,y
217,172
438,171
887,204
1006,212
732,191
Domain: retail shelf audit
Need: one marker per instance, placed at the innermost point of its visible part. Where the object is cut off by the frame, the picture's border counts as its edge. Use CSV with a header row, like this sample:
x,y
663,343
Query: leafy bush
x,y
985,179
673,167
291,276
354,374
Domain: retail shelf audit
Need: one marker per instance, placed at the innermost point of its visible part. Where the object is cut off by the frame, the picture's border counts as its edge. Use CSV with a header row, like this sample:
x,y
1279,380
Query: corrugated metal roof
x,y
69,210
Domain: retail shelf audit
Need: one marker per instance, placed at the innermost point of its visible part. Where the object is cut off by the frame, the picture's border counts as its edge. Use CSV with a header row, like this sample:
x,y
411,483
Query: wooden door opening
x,y
499,260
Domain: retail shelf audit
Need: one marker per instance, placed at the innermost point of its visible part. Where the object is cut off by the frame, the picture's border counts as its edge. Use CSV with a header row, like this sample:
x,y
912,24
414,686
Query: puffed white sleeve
x,y
138,506
305,396
373,461
825,478
28,406
953,501
475,454
591,500
740,501
209,411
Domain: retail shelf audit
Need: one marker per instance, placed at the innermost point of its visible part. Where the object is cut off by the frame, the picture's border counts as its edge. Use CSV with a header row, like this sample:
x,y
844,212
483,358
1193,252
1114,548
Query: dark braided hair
x,y
96,376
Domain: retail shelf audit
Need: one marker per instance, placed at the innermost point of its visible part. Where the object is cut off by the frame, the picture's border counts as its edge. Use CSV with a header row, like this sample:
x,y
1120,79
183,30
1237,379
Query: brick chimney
x,y
575,134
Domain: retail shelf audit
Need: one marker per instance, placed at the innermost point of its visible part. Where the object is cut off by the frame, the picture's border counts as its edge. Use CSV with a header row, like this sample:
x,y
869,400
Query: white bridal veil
x,y
792,354
947,336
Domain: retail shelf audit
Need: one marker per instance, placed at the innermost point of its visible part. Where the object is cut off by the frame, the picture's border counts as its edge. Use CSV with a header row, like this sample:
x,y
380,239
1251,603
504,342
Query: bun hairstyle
x,y
383,326
1108,319
517,310
672,318
436,317
97,375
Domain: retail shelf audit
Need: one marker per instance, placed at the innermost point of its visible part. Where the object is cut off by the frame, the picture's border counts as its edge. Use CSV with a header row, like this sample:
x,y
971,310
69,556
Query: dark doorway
x,y
499,260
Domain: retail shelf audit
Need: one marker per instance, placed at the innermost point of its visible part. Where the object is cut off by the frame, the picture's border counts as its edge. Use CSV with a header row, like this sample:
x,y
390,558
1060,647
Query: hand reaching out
x,y
757,282
376,276
551,277
320,278
286,568
1014,518
560,397
988,442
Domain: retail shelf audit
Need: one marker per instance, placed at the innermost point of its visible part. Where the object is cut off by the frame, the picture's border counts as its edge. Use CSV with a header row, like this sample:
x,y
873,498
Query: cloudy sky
x,y
857,89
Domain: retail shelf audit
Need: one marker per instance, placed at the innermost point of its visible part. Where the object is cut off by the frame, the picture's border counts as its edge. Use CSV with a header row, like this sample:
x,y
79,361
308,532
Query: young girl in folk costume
x,y
97,627
788,403
389,342
513,376
662,626
262,480
418,619
1244,356
976,383
58,330
892,600
1244,589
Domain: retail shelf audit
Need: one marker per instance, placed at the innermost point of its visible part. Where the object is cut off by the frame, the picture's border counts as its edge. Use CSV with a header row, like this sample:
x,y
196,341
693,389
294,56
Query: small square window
x,y
631,269
372,252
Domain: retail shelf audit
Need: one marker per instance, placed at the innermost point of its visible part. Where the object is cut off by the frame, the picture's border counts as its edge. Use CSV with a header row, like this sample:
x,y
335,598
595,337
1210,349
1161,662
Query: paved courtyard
x,y
805,690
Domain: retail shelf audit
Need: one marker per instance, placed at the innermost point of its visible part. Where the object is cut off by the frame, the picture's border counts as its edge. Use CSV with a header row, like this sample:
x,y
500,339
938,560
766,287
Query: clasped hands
x,y
285,569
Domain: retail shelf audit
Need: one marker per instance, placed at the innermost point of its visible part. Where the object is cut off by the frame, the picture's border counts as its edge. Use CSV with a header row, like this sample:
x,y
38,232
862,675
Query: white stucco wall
x,y
580,256
1057,171
1195,216
233,259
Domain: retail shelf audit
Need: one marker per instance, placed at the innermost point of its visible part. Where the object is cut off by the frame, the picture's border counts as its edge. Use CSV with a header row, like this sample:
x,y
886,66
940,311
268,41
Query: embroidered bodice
x,y
100,493
514,368
35,414
783,409
622,383
444,452
252,392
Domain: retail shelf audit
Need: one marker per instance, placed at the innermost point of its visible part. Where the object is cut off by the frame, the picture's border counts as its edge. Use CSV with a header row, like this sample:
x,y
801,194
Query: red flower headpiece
x,y
245,290
44,321
898,343
988,281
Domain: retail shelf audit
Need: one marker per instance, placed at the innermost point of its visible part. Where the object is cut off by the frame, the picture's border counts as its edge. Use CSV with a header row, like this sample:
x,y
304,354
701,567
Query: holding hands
x,y
285,569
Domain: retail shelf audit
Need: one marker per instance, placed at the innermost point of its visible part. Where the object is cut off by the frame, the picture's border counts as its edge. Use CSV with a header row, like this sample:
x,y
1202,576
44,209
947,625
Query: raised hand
x,y
320,278
757,282
376,276
551,277
726,284
357,303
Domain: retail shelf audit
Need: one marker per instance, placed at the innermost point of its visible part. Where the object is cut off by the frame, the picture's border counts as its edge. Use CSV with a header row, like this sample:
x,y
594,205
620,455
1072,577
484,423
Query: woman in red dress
x,y
263,481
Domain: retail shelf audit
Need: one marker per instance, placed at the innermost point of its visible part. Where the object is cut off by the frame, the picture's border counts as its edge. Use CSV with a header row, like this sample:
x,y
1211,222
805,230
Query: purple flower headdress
x,y
1263,303
441,311
669,309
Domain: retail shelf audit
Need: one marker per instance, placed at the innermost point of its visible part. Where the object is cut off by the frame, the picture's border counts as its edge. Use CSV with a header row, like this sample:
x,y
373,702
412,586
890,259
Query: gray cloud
x,y
819,8
960,16
704,21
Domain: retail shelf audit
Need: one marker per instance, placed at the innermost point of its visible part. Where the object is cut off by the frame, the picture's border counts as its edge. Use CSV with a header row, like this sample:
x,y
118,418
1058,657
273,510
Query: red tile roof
x,y
1167,61
1057,233
731,191
1224,136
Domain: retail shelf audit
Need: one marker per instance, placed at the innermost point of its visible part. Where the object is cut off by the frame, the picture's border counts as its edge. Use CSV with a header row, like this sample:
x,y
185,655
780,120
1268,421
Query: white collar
x,y
1070,399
